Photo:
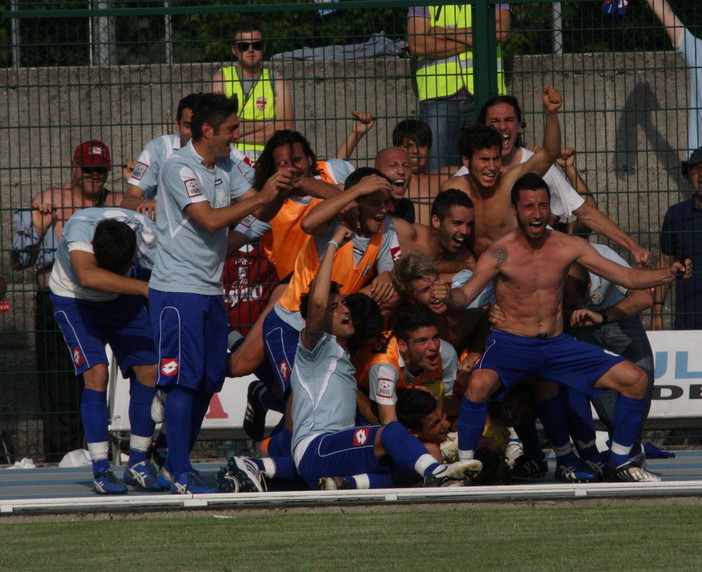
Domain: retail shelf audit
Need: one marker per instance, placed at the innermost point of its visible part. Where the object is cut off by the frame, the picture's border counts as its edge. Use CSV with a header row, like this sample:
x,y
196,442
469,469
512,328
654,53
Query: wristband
x,y
605,319
334,243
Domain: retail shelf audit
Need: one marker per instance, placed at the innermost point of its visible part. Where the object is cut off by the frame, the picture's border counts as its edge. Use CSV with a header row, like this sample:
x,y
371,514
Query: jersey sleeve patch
x,y
385,389
139,171
192,188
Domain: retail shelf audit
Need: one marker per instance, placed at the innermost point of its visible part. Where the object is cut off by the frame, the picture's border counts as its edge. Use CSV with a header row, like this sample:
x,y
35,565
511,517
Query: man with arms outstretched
x,y
530,267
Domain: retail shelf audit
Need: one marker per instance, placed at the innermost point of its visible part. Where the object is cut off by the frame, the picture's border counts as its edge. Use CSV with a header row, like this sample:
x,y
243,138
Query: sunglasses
x,y
92,170
244,46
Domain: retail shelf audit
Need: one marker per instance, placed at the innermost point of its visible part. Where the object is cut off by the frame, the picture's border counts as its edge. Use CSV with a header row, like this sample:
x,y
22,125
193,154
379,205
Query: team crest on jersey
x,y
360,436
192,187
284,370
395,252
77,356
139,170
169,366
385,386
261,103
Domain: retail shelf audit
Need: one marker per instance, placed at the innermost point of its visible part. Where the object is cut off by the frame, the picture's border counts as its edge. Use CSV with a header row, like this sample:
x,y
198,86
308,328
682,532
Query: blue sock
x,y
93,411
140,420
404,449
178,416
627,420
201,402
553,417
531,440
372,481
471,424
580,423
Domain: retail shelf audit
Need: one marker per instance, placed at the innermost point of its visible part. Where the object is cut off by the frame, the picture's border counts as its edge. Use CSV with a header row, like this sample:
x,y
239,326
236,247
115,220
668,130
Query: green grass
x,y
641,536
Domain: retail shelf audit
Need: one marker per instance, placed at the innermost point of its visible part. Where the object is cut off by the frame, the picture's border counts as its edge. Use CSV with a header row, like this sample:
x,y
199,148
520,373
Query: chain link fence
x,y
115,71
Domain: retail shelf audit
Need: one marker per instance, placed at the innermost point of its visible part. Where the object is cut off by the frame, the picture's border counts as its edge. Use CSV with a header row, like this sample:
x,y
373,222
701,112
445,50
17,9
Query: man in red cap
x,y
39,232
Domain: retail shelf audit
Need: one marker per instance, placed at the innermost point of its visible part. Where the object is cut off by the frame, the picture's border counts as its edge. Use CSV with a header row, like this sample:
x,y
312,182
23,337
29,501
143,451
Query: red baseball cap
x,y
93,154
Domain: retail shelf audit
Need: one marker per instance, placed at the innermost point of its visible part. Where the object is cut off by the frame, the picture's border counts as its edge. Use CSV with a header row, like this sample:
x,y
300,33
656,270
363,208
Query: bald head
x,y
394,163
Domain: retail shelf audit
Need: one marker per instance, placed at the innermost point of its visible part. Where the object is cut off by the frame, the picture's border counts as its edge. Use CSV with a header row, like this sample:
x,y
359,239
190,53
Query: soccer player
x,y
530,266
196,187
97,301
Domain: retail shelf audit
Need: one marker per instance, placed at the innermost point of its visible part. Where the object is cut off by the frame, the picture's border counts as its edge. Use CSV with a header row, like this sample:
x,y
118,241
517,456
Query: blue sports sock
x,y
140,419
531,440
580,423
627,420
553,417
93,411
372,481
285,469
201,402
404,449
471,424
178,415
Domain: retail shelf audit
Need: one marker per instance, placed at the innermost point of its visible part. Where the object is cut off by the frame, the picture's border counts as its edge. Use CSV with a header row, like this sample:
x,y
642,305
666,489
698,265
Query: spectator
x,y
265,101
690,48
681,238
39,231
442,39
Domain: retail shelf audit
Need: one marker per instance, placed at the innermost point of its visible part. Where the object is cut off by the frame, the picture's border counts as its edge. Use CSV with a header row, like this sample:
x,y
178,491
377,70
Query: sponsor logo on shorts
x,y
284,370
385,387
360,437
192,187
139,170
169,366
77,356
395,252
261,103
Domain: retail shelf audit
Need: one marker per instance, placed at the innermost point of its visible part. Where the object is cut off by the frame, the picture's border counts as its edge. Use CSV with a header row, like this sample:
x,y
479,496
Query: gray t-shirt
x,y
188,258
78,235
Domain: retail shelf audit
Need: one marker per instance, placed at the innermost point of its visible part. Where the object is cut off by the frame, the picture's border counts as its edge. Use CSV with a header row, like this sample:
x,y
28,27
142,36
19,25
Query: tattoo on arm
x,y
499,254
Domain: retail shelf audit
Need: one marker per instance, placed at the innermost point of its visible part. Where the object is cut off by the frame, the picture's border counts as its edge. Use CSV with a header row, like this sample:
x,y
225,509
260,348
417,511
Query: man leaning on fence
x,y
38,233
441,37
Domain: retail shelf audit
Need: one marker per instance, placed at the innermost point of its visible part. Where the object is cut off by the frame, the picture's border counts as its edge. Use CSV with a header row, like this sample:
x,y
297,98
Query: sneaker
x,y
525,468
255,415
458,474
630,473
191,482
165,478
247,474
105,483
513,451
143,476
226,482
597,463
570,469
334,484
449,448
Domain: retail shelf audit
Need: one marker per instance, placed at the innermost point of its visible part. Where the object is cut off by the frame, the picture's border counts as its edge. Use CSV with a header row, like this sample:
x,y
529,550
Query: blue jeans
x,y
448,119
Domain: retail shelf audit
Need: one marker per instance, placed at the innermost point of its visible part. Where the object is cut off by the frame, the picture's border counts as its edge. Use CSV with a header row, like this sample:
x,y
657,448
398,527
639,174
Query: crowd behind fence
x,y
115,71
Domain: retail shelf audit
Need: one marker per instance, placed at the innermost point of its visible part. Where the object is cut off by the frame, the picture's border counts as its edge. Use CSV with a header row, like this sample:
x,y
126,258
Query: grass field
x,y
624,536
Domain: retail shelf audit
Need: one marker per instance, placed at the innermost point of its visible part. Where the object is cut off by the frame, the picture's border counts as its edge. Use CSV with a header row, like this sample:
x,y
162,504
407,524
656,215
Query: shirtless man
x,y
503,113
488,186
530,267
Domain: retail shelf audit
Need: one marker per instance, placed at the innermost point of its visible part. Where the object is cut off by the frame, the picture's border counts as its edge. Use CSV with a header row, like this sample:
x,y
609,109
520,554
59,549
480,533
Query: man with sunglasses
x,y
39,231
265,103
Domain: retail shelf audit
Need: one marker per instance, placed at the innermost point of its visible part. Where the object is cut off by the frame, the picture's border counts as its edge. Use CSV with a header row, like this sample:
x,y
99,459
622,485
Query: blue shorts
x,y
88,325
561,359
342,454
280,342
191,338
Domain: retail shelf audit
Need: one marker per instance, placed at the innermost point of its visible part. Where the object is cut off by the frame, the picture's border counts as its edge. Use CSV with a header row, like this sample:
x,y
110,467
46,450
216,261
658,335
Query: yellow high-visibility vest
x,y
443,77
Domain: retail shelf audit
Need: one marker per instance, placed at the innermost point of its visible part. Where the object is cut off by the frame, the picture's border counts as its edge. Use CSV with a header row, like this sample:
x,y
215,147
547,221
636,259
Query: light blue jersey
x,y
188,258
155,153
691,50
324,392
78,235
604,294
485,298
